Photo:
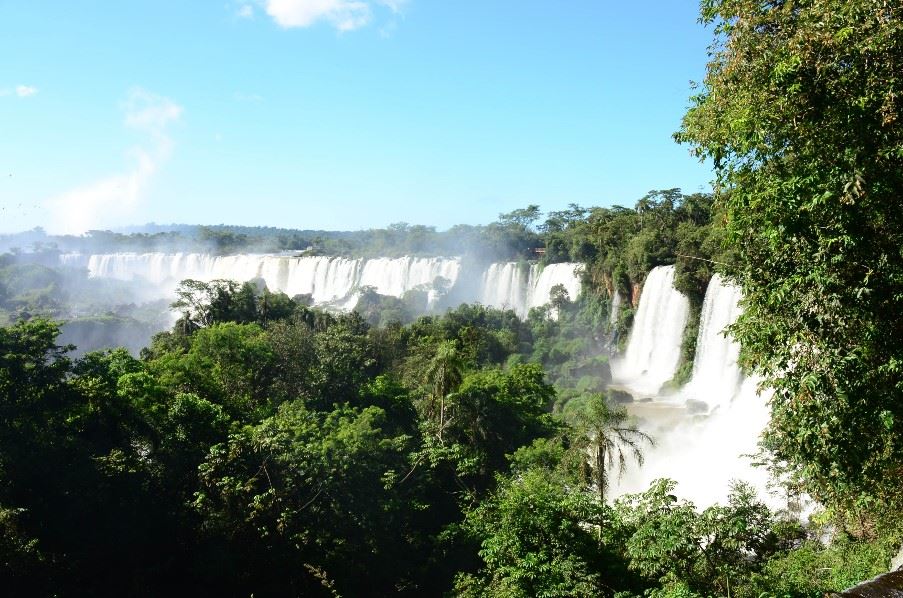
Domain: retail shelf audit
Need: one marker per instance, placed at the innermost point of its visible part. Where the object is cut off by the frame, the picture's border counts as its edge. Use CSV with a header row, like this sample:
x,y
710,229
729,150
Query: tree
x,y
195,300
229,364
711,552
661,534
535,540
206,303
559,298
607,437
32,369
444,375
274,307
345,361
310,495
20,555
801,114
513,235
522,218
495,412
223,241
93,475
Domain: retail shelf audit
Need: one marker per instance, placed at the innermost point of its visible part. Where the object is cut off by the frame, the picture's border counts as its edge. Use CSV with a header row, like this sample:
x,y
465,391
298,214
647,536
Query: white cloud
x,y
113,199
24,91
344,15
245,11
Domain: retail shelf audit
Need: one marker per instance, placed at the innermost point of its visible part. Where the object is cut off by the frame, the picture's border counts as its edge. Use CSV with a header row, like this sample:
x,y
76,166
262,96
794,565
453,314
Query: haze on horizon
x,y
339,115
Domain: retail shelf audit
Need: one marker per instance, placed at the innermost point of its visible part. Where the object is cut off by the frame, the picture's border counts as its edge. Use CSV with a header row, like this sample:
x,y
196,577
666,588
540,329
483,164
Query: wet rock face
x,y
636,289
620,396
889,585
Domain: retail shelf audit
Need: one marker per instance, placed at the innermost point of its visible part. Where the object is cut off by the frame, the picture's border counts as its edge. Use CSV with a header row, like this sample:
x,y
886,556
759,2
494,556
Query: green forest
x,y
264,447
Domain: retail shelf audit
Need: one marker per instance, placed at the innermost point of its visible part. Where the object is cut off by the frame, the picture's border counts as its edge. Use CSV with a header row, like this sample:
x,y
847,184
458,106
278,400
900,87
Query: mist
x,y
95,313
113,288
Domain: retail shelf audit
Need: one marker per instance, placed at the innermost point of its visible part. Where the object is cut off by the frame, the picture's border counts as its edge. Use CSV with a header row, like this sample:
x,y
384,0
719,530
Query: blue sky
x,y
338,114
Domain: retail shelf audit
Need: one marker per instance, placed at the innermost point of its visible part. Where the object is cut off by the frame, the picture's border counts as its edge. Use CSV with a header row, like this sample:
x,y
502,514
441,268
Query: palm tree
x,y
444,374
606,436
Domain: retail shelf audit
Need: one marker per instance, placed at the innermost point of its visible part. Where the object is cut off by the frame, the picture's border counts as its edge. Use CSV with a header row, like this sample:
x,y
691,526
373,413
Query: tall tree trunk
x,y
600,472
441,417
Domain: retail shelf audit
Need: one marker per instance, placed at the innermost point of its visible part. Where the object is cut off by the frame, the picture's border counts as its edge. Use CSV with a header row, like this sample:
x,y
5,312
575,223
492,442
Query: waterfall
x,y
703,451
73,260
543,279
653,349
335,281
505,287
716,375
511,285
326,279
615,309
396,276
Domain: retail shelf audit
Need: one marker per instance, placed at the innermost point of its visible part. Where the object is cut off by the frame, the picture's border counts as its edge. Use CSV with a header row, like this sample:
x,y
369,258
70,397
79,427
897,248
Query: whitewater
x,y
334,281
705,433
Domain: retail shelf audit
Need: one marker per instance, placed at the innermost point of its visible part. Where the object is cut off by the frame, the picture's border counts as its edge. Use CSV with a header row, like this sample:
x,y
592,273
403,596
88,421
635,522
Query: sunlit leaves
x,y
799,111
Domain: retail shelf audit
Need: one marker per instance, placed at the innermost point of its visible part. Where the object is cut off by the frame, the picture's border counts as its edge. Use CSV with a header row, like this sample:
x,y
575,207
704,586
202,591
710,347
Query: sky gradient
x,y
339,114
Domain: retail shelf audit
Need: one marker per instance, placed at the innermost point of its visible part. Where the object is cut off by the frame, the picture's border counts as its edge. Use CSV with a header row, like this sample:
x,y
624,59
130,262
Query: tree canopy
x,y
800,111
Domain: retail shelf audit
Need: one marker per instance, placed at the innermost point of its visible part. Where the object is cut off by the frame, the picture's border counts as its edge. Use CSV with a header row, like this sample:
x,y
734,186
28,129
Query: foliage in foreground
x,y
309,455
801,113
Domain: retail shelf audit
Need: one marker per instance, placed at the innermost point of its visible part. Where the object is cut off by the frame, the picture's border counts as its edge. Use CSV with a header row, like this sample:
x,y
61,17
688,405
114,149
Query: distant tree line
x,y
567,235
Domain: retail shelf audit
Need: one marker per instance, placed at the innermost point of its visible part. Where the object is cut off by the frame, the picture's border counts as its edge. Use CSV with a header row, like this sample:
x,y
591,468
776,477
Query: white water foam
x,y
335,281
705,446
653,349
